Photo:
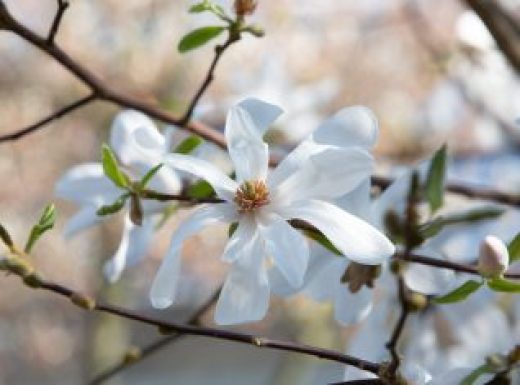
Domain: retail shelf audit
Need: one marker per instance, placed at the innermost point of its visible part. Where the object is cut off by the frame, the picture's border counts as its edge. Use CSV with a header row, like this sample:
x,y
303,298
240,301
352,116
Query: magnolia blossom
x,y
493,258
262,202
139,146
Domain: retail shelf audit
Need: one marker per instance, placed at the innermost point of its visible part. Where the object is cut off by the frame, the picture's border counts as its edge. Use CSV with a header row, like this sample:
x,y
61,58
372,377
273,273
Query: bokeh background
x,y
429,70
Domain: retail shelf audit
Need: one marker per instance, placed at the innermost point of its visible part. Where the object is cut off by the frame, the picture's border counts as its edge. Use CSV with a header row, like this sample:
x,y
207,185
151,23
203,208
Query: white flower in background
x,y
262,202
493,258
139,147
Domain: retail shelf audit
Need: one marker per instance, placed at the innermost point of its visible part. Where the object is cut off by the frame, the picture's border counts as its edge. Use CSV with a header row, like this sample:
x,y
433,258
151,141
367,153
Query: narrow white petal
x,y
351,126
86,183
164,287
358,201
324,274
328,174
83,219
288,248
428,280
262,113
245,295
355,238
224,186
246,147
134,244
351,308
135,139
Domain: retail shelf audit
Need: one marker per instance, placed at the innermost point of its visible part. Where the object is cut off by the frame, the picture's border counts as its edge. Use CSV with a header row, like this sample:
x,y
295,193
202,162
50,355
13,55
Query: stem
x,y
62,7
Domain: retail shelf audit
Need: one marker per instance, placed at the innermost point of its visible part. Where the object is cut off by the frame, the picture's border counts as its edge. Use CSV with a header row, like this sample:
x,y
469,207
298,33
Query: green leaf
x,y
232,228
435,180
474,375
514,249
433,227
188,145
148,176
503,285
6,238
111,168
322,240
199,37
460,293
200,7
45,223
114,207
208,6
201,189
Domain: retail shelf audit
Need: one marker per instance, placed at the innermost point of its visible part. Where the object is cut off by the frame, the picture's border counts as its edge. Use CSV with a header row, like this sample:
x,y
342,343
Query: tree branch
x,y
228,335
62,7
154,346
56,115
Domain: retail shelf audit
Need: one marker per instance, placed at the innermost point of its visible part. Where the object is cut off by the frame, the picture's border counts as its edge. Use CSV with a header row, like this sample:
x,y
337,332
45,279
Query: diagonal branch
x,y
154,346
62,7
56,115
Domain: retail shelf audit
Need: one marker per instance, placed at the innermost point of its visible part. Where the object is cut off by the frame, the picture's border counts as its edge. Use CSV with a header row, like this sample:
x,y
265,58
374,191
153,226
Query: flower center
x,y
251,195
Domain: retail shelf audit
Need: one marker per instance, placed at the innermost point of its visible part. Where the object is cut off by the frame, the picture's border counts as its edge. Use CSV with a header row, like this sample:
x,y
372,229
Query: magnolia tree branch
x,y
154,346
62,7
88,303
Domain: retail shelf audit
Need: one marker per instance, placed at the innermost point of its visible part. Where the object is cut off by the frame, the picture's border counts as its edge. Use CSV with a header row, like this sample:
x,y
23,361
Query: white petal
x,y
428,280
288,248
358,201
328,174
351,308
164,287
245,295
351,126
134,244
86,183
262,113
224,186
324,274
245,231
355,238
246,147
135,139
83,219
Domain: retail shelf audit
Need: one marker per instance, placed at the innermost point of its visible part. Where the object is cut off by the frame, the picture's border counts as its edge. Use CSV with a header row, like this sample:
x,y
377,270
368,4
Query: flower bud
x,y
245,7
493,258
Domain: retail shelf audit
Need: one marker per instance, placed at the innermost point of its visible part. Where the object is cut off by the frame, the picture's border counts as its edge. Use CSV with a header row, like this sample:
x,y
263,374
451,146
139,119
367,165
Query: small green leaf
x,y
111,168
433,227
232,228
322,240
460,293
201,189
199,37
188,145
148,176
114,207
6,238
208,6
200,7
500,284
45,223
435,180
474,375
514,249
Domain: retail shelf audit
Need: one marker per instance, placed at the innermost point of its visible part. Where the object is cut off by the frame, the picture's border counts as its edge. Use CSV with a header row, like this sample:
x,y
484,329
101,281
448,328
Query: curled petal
x,y
355,238
164,287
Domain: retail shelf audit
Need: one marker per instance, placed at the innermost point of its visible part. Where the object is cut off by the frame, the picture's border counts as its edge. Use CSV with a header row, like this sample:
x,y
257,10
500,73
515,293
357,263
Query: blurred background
x,y
430,70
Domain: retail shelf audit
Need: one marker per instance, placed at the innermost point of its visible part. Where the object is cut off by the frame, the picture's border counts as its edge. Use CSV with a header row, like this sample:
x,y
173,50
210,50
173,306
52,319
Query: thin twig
x,y
55,115
149,194
62,7
391,345
368,381
228,335
154,346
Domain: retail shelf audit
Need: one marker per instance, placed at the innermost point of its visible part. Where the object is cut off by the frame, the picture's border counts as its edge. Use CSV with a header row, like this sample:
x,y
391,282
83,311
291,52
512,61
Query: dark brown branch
x,y
227,335
154,346
368,381
219,50
149,194
56,115
391,345
62,7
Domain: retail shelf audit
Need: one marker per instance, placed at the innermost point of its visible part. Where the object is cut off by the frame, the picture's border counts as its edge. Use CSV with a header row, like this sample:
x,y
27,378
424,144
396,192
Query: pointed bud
x,y
245,7
493,258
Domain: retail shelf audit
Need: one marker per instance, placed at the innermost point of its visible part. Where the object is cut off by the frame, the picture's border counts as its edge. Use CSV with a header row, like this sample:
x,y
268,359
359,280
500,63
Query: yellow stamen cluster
x,y
251,195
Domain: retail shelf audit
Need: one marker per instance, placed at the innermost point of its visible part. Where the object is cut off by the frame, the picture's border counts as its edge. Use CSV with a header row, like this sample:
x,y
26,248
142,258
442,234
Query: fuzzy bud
x,y
493,257
83,301
245,7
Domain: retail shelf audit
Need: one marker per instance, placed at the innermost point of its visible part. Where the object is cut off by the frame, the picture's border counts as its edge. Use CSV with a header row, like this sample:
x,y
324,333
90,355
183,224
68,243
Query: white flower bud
x,y
493,258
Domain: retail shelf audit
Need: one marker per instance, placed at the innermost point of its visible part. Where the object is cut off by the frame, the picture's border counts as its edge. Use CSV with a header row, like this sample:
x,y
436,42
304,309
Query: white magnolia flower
x,y
262,202
493,258
139,146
